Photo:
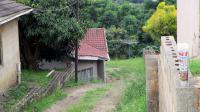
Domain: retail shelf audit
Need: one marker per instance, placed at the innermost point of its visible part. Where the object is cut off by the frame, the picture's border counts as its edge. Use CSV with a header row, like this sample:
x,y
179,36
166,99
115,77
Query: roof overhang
x,y
93,58
11,17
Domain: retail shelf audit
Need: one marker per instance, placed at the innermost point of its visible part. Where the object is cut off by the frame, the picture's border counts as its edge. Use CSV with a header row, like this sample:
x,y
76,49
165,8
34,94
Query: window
x,y
1,51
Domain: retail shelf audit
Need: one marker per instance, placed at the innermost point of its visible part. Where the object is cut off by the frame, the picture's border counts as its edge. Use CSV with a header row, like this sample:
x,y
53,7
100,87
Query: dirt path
x,y
111,99
73,97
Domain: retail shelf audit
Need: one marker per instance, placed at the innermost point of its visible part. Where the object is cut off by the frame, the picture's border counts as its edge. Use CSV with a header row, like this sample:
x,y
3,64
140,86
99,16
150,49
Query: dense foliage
x,y
123,23
49,33
52,31
170,1
162,22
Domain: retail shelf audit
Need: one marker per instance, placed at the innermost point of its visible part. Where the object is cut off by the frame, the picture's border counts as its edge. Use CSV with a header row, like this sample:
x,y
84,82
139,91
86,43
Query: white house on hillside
x,y
188,24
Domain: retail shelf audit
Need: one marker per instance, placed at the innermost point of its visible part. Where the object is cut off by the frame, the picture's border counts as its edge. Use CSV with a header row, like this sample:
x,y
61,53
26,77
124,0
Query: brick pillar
x,y
151,65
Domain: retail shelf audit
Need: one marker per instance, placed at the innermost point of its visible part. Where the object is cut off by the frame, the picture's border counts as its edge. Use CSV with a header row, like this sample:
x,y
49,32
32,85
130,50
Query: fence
x,y
58,80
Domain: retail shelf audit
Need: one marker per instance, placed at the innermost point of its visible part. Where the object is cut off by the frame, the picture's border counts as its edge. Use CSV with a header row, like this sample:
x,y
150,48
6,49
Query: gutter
x,y
13,16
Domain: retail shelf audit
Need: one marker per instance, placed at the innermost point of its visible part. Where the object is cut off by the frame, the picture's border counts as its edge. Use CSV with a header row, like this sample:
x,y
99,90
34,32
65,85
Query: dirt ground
x,y
106,104
111,99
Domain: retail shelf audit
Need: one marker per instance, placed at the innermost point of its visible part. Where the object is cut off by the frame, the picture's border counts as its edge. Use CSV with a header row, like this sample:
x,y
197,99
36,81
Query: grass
x,y
195,67
29,80
133,98
132,72
89,100
72,83
44,103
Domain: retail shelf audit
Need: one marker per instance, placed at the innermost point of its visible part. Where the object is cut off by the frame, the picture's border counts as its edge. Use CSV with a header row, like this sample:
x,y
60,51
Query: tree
x,y
130,22
50,33
151,4
115,37
162,22
170,1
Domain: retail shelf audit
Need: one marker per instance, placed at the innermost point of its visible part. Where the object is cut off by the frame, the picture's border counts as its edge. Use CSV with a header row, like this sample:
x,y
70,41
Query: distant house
x,y
188,24
93,52
9,42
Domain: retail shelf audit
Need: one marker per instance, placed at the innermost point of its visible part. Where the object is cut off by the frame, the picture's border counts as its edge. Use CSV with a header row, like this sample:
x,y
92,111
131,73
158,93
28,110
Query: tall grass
x,y
132,72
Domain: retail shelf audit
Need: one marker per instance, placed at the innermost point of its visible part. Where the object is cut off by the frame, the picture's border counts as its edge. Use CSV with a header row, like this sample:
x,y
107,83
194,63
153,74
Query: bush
x,y
162,22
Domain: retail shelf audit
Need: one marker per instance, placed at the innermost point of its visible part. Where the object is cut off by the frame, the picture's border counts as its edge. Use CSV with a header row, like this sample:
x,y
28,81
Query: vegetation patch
x,y
31,79
194,67
44,103
89,100
132,72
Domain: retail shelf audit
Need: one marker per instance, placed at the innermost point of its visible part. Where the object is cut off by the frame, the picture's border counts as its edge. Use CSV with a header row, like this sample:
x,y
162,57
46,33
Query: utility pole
x,y
76,49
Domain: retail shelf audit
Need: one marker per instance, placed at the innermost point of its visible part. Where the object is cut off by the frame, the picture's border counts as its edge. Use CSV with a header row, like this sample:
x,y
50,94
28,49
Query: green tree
x,y
170,1
49,33
162,22
116,45
130,22
108,19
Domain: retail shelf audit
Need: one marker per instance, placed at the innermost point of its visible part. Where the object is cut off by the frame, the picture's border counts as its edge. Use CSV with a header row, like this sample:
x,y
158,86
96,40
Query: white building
x,y
188,24
9,42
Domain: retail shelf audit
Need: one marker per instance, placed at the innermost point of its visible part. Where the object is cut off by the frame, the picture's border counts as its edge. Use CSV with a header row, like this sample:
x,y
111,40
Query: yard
x,y
130,74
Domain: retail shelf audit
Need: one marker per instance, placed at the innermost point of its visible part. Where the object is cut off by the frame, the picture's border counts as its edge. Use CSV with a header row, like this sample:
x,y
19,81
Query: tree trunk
x,y
29,52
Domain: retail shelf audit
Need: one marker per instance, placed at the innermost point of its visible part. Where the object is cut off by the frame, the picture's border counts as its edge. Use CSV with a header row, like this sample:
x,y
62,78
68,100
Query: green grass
x,y
132,72
31,79
195,67
89,100
72,83
44,103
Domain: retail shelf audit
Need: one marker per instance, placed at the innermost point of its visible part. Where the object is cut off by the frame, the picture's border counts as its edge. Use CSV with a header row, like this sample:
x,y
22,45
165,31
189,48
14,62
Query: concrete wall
x,y
11,56
85,64
174,94
54,64
188,24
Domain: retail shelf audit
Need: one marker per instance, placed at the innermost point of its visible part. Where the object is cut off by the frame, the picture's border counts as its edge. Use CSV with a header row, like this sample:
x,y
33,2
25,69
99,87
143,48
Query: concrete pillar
x,y
101,70
151,65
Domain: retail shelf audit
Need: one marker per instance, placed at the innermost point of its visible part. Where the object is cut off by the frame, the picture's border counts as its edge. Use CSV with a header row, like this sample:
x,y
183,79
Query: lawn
x,y
195,67
132,72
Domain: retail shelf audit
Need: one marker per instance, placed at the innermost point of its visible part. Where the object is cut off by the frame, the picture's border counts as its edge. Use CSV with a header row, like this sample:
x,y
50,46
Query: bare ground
x,y
73,97
109,102
106,104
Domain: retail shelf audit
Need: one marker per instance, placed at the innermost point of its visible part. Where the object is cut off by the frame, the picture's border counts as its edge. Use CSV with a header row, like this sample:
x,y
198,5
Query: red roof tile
x,y
94,44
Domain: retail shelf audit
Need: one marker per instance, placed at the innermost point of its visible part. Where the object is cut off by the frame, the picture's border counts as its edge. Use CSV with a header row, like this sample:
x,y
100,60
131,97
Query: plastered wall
x,y
11,57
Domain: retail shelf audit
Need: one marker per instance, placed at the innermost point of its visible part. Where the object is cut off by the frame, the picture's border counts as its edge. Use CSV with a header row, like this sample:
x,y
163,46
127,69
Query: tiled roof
x,y
94,44
9,10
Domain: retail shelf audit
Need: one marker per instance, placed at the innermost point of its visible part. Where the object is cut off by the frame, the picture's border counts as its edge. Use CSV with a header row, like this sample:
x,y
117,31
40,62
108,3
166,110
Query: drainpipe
x,y
19,73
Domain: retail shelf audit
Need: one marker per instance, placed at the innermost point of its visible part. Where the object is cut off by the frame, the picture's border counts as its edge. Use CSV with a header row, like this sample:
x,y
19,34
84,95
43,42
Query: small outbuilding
x,y
92,54
9,42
